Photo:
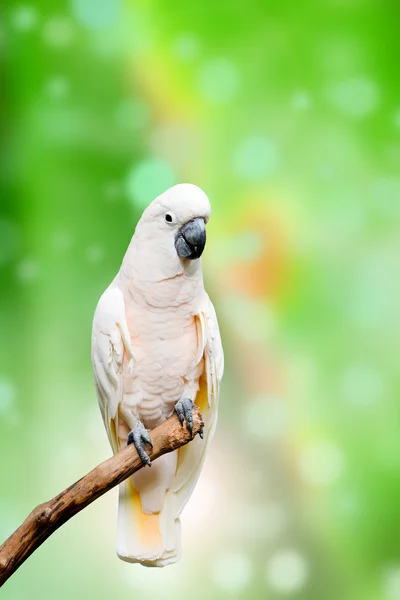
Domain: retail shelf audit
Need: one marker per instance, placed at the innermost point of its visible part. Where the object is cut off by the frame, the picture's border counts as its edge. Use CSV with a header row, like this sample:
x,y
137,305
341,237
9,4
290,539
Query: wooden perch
x,y
48,517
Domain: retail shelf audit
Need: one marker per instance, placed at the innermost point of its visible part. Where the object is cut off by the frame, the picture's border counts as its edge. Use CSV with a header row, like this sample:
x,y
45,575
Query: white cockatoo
x,y
156,348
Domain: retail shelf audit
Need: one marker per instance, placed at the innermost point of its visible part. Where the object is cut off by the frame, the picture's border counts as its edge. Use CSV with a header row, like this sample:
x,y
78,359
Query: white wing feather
x,y
110,340
191,457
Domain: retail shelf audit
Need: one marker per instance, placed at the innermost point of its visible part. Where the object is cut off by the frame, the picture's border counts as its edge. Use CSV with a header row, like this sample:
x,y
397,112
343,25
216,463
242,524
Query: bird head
x,y
171,234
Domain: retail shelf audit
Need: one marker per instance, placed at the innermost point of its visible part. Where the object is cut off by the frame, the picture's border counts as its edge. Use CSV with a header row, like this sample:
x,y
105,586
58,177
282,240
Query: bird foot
x,y
184,410
138,436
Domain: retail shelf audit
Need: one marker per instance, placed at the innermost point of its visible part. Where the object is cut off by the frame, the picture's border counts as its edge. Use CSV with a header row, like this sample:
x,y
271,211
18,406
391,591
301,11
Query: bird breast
x,y
165,347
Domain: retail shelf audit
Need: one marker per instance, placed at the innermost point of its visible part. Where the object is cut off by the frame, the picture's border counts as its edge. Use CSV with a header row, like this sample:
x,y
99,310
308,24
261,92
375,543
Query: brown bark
x,y
48,517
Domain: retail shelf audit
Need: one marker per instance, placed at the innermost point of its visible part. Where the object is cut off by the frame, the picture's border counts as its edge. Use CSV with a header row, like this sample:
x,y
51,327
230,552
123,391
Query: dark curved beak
x,y
191,239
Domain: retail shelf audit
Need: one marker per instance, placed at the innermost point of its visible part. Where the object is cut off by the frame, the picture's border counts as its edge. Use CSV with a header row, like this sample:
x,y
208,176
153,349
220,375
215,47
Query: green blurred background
x,y
288,115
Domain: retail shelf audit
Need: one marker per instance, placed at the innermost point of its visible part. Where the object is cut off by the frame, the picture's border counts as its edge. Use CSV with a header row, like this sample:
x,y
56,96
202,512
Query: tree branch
x,y
48,517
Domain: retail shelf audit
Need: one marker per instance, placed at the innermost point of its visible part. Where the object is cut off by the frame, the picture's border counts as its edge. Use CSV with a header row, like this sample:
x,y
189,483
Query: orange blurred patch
x,y
266,274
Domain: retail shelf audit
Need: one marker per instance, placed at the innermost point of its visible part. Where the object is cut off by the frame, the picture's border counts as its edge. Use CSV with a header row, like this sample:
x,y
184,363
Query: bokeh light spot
x,y
132,115
362,385
7,394
245,247
264,522
9,240
57,87
341,55
348,503
24,18
321,463
94,254
265,419
218,80
58,32
251,318
27,270
391,582
112,190
301,101
249,246
358,96
96,15
232,571
256,158
62,240
186,47
385,194
176,141
287,571
149,179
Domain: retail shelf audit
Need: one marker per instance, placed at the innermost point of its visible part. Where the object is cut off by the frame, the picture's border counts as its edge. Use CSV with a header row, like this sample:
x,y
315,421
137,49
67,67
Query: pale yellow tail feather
x,y
152,540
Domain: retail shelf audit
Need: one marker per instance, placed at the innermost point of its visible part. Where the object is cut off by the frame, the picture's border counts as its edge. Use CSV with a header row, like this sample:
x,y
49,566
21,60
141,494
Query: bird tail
x,y
153,540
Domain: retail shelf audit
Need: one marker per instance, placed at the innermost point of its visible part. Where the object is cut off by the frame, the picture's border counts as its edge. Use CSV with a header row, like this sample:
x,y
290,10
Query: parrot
x,y
156,349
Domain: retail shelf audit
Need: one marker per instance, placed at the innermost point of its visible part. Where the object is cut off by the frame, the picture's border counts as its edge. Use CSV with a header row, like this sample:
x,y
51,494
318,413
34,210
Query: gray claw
x,y
184,410
180,412
138,436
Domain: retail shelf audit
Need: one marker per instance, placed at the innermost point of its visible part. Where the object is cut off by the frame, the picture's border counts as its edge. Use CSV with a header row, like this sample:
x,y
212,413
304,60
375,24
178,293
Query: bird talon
x,y
179,411
146,438
139,436
184,410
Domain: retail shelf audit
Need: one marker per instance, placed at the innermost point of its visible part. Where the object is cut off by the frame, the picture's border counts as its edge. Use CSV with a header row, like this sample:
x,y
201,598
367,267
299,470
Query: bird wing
x,y
191,457
110,344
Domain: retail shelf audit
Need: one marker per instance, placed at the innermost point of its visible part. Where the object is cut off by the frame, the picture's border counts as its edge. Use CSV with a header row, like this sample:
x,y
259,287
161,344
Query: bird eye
x,y
168,218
